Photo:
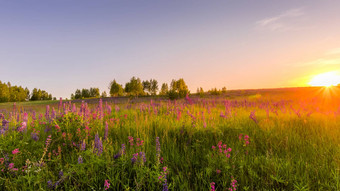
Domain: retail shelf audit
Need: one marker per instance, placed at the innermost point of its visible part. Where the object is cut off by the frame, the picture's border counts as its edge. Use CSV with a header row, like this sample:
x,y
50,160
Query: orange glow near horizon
x,y
325,79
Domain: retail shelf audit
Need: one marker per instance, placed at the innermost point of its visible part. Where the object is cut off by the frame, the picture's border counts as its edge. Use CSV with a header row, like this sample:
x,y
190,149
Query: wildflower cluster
x,y
233,185
138,158
222,149
212,186
162,178
244,139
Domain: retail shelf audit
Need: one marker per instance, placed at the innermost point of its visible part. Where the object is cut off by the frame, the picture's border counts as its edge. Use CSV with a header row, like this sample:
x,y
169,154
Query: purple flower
x,y
47,114
83,145
35,136
106,130
98,145
134,158
80,160
252,116
61,174
50,184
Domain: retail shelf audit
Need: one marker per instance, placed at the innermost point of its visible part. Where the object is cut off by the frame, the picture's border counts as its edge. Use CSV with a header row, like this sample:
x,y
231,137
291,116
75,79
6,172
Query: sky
x,y
64,45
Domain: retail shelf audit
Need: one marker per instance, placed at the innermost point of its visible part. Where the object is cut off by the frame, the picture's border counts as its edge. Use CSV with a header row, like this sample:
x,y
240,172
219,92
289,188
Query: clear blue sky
x,y
63,45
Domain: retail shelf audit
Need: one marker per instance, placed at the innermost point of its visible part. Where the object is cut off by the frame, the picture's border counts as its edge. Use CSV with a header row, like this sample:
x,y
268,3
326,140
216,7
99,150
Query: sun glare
x,y
326,79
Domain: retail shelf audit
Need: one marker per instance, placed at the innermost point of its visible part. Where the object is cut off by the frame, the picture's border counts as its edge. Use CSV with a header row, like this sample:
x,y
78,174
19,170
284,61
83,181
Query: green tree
x,y
134,87
77,94
178,89
4,92
104,94
147,87
164,89
27,91
85,93
153,86
115,89
94,92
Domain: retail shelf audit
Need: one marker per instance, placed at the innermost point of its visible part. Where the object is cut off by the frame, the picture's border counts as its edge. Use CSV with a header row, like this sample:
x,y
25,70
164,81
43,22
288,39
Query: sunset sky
x,y
63,45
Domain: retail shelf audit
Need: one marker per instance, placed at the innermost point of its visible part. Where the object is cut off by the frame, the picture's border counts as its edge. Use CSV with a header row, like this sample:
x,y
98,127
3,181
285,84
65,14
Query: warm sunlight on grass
x,y
326,79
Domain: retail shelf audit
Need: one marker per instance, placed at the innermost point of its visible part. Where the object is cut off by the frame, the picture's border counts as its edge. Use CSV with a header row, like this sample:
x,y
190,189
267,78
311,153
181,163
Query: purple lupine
x,y
252,116
83,145
50,185
53,115
33,115
80,160
106,133
47,113
5,124
120,153
142,156
61,174
60,103
98,145
134,158
35,136
22,127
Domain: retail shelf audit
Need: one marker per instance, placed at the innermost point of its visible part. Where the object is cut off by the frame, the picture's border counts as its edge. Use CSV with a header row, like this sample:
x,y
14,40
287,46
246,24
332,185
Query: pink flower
x,y
106,185
15,151
212,185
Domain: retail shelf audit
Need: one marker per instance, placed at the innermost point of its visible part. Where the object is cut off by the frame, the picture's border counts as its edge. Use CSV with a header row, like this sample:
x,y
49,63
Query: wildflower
x,y
80,160
218,171
50,184
106,130
48,141
61,174
98,145
15,151
142,155
106,185
233,185
35,136
83,145
130,140
253,117
134,158
212,186
47,114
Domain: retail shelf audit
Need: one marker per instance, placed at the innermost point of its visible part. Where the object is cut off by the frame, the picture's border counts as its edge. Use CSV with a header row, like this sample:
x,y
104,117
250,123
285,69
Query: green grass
x,y
286,152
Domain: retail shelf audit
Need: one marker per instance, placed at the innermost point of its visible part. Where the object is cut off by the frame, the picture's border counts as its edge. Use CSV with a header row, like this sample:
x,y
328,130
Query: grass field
x,y
254,141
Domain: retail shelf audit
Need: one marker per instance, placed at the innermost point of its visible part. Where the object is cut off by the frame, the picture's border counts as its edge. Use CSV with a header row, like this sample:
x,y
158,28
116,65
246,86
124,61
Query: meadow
x,y
252,142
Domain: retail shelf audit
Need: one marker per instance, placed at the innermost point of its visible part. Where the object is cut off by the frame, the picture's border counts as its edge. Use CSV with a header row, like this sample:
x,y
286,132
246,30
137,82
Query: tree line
x,y
9,93
136,87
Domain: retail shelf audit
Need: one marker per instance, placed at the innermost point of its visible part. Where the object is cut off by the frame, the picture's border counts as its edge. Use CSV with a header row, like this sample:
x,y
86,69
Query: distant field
x,y
278,139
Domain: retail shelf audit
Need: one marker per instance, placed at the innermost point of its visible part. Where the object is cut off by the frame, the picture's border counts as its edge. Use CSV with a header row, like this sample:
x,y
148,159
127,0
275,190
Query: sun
x,y
326,79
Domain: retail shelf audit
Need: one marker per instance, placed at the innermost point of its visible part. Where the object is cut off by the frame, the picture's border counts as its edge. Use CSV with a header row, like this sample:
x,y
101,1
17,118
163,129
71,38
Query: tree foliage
x,y
116,89
86,93
164,89
178,89
134,87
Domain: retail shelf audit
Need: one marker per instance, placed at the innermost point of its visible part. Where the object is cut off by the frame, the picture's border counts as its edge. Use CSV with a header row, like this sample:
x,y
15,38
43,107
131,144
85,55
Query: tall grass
x,y
290,147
